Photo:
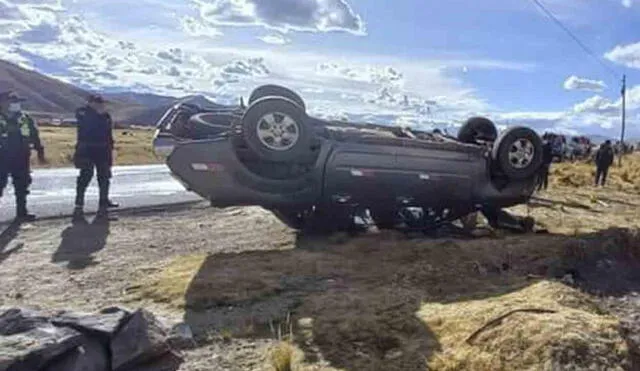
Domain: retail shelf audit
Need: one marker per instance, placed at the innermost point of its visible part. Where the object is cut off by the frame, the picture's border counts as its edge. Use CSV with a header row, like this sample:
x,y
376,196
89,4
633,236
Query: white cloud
x,y
361,73
195,27
627,3
283,15
626,55
597,104
540,121
577,83
275,39
174,55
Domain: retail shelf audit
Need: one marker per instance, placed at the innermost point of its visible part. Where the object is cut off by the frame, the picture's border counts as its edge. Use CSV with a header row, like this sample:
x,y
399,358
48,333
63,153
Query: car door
x,y
435,175
360,173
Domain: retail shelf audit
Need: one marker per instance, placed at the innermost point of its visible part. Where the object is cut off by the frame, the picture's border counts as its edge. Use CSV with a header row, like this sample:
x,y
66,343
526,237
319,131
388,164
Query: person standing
x,y
18,136
604,159
547,159
94,150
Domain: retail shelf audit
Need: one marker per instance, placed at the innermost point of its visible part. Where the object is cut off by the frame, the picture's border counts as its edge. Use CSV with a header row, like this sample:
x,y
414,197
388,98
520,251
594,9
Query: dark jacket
x,y
604,156
547,154
94,129
18,134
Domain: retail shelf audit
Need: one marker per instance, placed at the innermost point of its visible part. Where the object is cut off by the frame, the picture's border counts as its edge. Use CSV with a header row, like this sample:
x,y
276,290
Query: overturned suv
x,y
271,153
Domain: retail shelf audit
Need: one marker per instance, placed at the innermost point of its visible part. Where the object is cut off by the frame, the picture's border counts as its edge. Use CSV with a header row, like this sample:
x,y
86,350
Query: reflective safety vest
x,y
24,124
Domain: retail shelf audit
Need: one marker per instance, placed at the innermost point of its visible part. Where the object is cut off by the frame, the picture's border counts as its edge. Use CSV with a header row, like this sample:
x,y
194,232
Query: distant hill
x,y
43,93
48,95
142,99
154,107
597,139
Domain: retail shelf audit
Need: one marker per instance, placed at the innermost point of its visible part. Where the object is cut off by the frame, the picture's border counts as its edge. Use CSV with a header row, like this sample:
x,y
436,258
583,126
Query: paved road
x,y
53,190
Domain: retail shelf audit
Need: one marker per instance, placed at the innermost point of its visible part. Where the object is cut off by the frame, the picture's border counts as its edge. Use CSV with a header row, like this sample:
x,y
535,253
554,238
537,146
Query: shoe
x,y
109,205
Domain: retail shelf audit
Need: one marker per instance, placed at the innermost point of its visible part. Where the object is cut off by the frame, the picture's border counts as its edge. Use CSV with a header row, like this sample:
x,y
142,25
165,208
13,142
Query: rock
x,y
35,348
91,355
140,340
181,337
104,324
17,320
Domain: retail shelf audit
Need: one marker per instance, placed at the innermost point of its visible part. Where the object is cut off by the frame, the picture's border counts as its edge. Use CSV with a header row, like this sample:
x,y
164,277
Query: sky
x,y
419,63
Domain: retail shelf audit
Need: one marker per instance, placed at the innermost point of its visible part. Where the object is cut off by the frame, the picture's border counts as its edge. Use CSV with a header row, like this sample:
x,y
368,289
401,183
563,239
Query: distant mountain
x,y
156,107
200,101
47,95
42,93
143,99
597,139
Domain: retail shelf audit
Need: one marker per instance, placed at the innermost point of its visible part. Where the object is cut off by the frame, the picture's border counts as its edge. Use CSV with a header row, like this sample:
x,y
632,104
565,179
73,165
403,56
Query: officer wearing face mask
x,y
18,135
94,151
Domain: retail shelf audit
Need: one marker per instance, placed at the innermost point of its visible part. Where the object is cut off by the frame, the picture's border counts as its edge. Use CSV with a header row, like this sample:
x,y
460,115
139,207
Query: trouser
x,y
88,161
601,175
19,169
543,181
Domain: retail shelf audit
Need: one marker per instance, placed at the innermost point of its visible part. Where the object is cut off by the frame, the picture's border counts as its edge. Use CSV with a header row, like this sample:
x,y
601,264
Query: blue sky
x,y
409,62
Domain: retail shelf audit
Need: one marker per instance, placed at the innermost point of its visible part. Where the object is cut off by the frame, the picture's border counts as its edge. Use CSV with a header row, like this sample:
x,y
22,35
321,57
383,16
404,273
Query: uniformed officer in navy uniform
x,y
94,150
18,136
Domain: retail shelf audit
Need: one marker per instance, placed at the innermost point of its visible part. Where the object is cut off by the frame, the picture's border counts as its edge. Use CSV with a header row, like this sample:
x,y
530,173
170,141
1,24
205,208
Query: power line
x,y
574,37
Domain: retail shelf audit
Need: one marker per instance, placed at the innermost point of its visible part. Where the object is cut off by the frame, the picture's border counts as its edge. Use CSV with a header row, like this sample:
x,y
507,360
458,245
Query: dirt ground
x,y
258,296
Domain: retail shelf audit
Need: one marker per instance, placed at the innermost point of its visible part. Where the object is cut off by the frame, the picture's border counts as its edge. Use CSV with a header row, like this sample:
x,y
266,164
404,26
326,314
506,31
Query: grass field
x,y
133,146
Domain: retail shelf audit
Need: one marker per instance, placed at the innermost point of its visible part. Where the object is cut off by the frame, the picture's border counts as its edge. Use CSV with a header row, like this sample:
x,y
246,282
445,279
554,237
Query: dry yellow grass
x,y
133,146
281,356
582,174
576,337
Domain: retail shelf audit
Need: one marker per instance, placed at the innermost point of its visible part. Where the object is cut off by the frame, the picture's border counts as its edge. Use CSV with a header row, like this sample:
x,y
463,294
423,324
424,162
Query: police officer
x,y
18,135
604,159
547,159
94,149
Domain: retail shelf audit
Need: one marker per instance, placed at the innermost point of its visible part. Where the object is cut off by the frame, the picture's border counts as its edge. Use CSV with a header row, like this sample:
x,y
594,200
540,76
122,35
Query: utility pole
x,y
624,114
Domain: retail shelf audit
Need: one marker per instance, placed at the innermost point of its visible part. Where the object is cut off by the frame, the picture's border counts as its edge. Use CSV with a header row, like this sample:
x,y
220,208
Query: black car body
x,y
231,158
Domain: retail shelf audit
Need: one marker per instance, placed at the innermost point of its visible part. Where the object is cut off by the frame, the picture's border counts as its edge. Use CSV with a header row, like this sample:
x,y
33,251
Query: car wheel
x,y
478,128
276,91
518,152
276,130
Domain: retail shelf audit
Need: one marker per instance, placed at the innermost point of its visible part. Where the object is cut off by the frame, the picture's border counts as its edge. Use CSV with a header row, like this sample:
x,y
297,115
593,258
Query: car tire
x,y
518,152
276,129
478,128
276,91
